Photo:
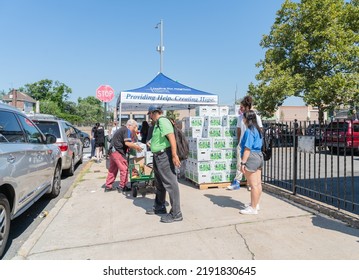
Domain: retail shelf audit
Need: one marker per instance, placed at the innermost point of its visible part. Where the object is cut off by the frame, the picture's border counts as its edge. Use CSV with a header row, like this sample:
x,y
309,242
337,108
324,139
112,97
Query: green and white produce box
x,y
212,121
231,142
193,122
219,143
229,131
223,110
200,143
201,177
229,176
209,132
202,154
232,165
215,154
202,166
219,165
217,177
229,154
230,121
207,111
195,132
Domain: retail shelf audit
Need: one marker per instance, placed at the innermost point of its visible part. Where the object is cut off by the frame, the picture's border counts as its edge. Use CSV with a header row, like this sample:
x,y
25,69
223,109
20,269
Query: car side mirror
x,y
50,139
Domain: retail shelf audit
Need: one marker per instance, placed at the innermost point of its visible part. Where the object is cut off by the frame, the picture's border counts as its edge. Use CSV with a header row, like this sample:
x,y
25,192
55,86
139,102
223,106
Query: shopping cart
x,y
140,182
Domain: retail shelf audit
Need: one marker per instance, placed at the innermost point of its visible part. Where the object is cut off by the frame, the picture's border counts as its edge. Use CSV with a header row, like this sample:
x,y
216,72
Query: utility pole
x,y
161,48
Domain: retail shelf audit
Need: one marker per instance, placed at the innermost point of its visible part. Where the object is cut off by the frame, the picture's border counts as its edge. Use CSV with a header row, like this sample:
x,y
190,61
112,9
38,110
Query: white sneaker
x,y
249,204
249,211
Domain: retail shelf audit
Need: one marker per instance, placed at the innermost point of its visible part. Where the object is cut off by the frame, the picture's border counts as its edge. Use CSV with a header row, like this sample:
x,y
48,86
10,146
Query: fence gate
x,y
306,161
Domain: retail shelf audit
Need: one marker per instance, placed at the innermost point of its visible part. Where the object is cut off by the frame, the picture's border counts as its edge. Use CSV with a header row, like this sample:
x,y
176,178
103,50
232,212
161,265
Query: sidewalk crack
x,y
245,243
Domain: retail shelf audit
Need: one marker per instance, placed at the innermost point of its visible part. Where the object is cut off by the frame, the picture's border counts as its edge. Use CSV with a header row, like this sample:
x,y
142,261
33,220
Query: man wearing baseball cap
x,y
165,161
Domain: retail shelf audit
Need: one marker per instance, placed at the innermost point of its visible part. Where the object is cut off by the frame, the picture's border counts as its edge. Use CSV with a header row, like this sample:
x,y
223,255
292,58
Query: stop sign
x,y
105,93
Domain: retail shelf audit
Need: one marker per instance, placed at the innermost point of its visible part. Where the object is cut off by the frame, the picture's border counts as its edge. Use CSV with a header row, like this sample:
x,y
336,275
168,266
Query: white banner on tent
x,y
164,98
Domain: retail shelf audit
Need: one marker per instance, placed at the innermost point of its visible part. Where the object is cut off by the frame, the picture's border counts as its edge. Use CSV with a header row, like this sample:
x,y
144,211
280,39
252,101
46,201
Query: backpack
x,y
266,146
181,141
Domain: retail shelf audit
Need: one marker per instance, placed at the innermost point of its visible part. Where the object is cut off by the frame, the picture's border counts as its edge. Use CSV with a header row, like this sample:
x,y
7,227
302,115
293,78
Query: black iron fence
x,y
319,161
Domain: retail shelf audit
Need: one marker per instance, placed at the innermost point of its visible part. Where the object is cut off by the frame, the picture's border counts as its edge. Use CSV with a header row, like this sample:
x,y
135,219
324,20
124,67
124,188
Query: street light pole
x,y
161,48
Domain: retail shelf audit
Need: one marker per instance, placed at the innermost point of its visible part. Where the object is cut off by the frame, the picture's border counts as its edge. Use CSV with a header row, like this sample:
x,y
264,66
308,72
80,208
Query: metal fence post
x,y
295,156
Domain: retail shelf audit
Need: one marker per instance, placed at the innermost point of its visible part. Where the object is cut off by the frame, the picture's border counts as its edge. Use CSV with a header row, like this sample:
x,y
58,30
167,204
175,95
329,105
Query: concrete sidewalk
x,y
91,224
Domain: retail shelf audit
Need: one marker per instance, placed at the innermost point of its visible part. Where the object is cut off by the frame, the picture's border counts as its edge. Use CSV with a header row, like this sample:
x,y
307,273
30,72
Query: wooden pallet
x,y
205,186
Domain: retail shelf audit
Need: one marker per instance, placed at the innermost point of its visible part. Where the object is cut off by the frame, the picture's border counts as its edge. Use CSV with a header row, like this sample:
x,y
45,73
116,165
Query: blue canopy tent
x,y
163,90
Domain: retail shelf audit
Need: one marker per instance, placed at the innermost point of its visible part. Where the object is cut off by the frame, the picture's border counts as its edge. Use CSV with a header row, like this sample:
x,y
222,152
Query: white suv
x,y
68,140
30,166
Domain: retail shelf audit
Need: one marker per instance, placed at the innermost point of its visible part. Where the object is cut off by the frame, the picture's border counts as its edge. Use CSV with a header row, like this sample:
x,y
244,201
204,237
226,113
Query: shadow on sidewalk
x,y
327,223
225,201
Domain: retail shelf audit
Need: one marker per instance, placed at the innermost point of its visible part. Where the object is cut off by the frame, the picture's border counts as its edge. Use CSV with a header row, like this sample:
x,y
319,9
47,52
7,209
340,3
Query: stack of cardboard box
x,y
212,141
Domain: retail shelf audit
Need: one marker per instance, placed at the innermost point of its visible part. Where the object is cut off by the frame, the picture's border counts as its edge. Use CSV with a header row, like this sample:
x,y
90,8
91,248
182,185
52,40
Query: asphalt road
x,y
23,226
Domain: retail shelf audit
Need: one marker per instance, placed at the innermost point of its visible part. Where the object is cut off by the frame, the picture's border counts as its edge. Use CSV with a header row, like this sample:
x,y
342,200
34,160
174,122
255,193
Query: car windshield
x,y
49,127
338,126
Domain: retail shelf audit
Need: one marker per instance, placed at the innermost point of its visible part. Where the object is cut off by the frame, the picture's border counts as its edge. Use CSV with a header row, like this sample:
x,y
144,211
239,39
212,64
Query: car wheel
x,y
71,170
86,142
4,222
56,182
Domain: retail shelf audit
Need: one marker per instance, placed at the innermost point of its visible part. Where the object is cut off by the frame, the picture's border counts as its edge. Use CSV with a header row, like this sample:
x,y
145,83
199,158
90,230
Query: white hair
x,y
131,122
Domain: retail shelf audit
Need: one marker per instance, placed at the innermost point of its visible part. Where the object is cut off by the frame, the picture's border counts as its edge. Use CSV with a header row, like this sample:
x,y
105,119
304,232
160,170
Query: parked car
x,y
280,133
342,135
68,140
85,137
30,167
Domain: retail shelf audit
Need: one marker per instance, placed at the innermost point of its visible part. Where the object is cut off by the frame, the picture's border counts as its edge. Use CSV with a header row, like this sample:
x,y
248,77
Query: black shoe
x,y
170,218
109,189
123,189
156,211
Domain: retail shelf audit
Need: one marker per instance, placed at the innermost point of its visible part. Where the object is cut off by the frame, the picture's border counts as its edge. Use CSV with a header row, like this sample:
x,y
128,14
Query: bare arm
x,y
132,145
238,133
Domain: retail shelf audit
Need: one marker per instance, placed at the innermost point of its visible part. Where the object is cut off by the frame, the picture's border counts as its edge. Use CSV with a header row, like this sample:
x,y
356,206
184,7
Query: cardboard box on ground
x,y
212,136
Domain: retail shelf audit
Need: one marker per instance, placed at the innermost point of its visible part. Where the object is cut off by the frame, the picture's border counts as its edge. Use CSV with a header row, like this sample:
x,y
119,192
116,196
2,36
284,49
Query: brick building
x,y
20,100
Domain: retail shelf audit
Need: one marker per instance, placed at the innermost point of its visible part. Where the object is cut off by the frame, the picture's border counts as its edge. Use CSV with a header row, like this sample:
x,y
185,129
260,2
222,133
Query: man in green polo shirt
x,y
165,162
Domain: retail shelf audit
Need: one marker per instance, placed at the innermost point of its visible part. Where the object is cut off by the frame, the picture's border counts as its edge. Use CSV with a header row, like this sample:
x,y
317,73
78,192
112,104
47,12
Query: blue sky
x,y
210,45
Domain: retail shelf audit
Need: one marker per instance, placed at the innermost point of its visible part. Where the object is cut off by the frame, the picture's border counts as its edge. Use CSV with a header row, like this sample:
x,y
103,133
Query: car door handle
x,y
11,159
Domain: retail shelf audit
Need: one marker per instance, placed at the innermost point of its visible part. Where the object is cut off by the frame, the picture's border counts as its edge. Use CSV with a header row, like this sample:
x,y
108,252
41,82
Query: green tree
x,y
50,107
90,110
48,90
171,114
313,53
2,93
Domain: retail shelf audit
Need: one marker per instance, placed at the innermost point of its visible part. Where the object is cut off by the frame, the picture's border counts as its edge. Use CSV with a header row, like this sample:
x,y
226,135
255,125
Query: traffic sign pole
x,y
105,93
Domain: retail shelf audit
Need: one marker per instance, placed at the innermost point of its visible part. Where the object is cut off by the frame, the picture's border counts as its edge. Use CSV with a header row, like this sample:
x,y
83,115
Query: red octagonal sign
x,y
105,93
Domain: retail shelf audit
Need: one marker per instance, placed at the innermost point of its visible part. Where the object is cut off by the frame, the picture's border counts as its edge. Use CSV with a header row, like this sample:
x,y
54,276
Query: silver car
x,y
30,166
68,140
